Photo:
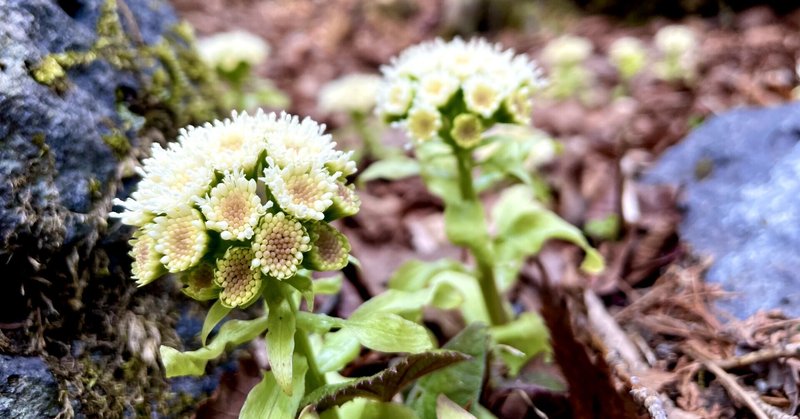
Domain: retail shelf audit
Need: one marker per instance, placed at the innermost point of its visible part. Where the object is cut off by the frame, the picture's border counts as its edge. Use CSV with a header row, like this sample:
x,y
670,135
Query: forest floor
x,y
654,328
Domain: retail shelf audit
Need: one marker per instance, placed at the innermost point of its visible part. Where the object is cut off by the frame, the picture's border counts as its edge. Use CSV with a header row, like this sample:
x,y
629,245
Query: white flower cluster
x,y
258,183
227,50
431,84
628,55
677,45
566,50
351,93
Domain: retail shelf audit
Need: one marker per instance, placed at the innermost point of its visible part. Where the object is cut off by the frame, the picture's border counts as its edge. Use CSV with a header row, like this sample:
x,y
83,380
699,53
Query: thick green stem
x,y
314,378
484,260
491,295
464,159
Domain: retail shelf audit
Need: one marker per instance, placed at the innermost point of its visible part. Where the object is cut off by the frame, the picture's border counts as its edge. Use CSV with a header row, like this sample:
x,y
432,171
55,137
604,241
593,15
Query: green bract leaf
x,y
465,224
268,401
280,341
388,332
338,349
462,382
473,308
385,384
316,322
438,169
523,227
409,304
216,313
232,333
528,334
447,409
393,168
416,274
328,286
386,410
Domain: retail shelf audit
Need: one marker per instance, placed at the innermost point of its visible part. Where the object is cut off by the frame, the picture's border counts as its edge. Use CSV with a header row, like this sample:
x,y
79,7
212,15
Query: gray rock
x,y
740,180
58,174
28,389
56,167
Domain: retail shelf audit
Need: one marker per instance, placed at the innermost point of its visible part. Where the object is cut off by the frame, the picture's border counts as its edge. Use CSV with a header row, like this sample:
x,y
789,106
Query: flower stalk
x,y
483,258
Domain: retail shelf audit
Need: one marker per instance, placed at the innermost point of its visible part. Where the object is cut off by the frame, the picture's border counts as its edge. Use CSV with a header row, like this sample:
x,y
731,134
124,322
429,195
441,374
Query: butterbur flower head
x,y
278,245
437,88
304,192
467,130
482,96
235,275
428,85
351,93
198,282
329,248
231,144
146,265
292,142
519,105
233,208
181,238
396,97
423,122
345,202
171,178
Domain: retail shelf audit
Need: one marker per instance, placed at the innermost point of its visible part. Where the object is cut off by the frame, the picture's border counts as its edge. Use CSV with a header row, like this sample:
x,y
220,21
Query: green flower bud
x,y
467,130
198,283
240,282
345,202
329,249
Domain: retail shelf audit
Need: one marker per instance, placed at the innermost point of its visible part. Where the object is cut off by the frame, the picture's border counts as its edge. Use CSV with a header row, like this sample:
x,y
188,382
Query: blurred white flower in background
x,y
566,50
628,55
351,93
677,45
227,50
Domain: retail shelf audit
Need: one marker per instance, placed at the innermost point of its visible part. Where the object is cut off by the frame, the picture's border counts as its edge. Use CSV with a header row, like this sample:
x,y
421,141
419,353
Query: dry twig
x,y
769,354
760,409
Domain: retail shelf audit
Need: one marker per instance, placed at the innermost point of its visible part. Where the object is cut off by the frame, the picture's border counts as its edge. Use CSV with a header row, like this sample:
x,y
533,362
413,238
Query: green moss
x,y
119,144
48,71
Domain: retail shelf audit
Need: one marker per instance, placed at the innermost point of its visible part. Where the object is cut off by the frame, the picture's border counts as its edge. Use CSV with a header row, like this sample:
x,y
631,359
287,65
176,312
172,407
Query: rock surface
x,y
56,166
27,388
740,180
62,142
